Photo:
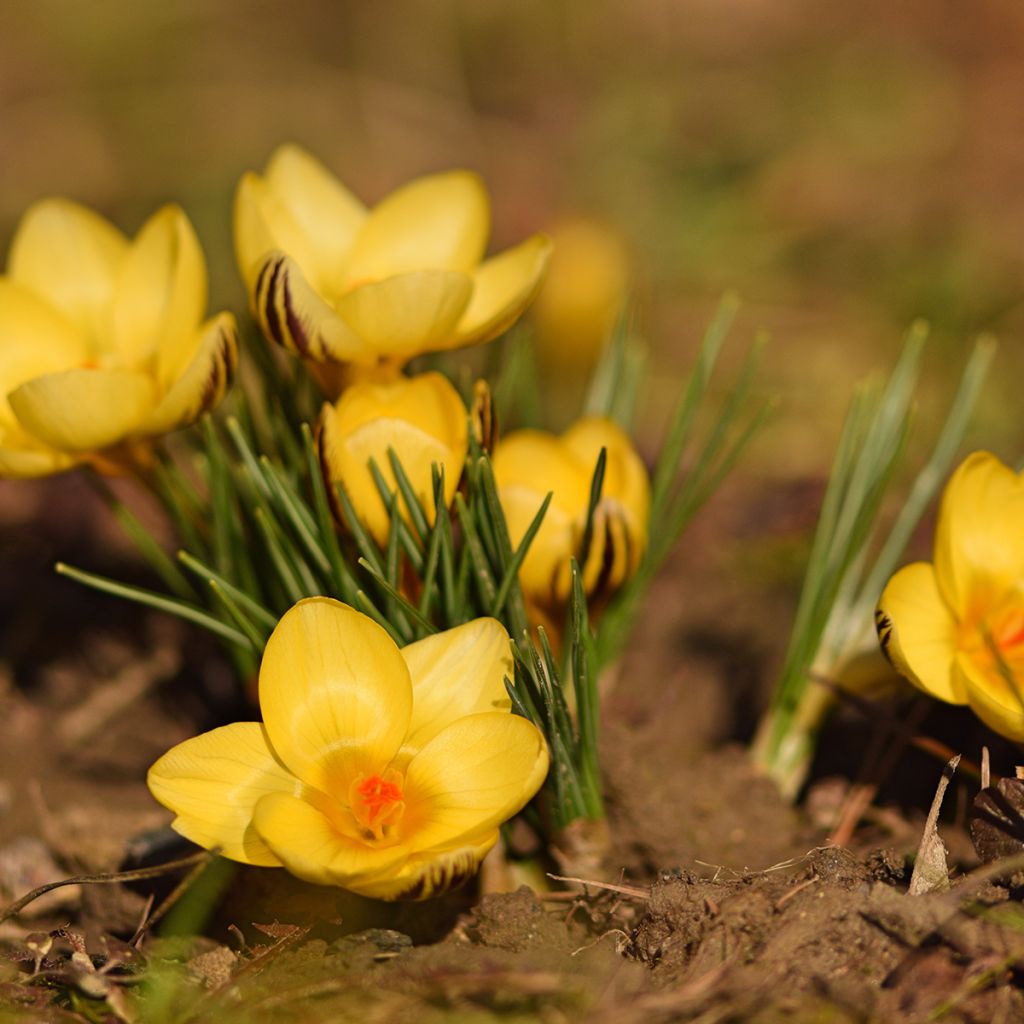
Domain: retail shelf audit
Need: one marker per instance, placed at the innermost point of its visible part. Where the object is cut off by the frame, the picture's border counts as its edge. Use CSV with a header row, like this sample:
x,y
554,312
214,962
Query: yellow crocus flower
x,y
340,284
422,418
529,463
955,626
583,293
384,771
102,341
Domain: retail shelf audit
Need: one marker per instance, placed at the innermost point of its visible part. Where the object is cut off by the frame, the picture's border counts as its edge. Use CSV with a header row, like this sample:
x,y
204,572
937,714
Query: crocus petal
x,y
83,410
71,256
347,457
312,848
625,475
204,381
526,456
160,294
263,224
161,291
26,463
545,570
456,673
335,694
918,633
404,315
526,463
474,774
325,211
429,874
610,558
35,339
503,287
422,418
979,539
213,783
293,315
991,698
626,553
428,401
440,221
620,528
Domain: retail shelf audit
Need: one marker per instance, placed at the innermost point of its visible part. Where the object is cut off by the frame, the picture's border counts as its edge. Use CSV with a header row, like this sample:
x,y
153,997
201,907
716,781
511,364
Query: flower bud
x,y
529,463
422,419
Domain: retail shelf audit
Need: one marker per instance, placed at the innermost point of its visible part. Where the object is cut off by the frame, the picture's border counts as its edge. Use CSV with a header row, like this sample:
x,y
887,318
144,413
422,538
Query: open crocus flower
x,y
422,419
955,627
340,284
529,463
101,338
384,771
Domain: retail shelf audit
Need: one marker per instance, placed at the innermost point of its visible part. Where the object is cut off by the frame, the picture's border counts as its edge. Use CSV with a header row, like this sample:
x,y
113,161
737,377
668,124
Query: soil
x,y
719,901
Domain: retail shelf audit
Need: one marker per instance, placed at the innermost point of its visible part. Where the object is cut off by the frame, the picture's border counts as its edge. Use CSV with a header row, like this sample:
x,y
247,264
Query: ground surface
x,y
717,902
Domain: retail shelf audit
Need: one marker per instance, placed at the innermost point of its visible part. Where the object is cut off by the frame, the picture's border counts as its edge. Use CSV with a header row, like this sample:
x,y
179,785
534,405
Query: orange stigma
x,y
1010,631
377,801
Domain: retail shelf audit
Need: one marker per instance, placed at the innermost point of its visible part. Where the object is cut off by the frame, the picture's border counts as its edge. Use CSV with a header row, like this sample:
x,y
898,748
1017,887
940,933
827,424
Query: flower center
x,y
377,802
1008,631
996,643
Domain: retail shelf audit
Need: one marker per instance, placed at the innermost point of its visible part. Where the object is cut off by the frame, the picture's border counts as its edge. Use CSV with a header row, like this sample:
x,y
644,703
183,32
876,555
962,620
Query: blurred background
x,y
846,167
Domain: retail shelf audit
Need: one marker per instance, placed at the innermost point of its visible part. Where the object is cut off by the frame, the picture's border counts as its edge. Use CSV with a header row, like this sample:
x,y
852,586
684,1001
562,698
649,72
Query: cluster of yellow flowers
x,y
357,293
103,340
385,771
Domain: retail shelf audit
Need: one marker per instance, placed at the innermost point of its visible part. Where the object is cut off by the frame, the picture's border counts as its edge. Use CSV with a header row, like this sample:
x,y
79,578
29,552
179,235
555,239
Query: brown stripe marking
x,y
271,317
211,389
261,280
296,329
884,629
438,878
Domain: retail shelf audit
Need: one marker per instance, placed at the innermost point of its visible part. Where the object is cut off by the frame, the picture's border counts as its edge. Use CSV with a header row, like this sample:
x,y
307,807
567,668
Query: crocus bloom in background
x,y
422,418
102,339
955,627
341,284
583,293
529,463
384,771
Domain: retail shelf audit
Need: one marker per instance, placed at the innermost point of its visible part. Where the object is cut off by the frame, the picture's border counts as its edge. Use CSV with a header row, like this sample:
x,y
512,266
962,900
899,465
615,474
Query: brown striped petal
x,y
205,380
294,316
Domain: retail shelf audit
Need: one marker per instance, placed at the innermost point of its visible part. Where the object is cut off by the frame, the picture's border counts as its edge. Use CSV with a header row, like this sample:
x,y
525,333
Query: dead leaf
x,y
930,871
997,820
